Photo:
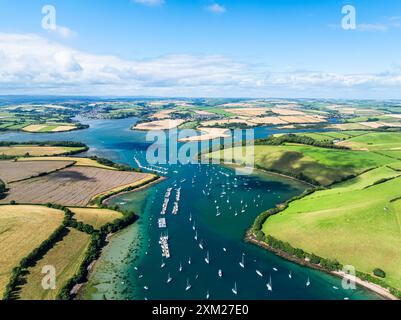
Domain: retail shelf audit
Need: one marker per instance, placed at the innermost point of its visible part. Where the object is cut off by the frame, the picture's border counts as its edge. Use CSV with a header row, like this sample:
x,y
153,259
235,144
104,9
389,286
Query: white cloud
x,y
62,31
149,2
31,64
216,8
371,27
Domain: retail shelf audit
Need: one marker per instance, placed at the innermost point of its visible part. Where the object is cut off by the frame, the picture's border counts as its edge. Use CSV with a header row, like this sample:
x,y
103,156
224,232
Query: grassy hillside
x,y
317,165
355,224
375,141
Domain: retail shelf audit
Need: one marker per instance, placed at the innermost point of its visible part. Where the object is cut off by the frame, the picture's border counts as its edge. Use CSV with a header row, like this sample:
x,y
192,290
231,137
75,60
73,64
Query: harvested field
x,y
303,119
248,112
208,134
34,127
63,128
164,114
95,217
287,112
18,170
66,256
74,186
159,125
203,113
48,128
223,122
348,126
397,116
17,238
373,125
268,120
35,150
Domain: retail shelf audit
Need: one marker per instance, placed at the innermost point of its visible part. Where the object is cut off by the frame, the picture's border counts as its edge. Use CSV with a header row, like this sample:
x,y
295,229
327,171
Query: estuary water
x,y
208,257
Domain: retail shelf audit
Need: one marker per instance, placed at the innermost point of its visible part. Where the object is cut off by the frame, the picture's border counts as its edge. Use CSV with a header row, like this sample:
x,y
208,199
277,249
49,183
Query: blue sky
x,y
250,48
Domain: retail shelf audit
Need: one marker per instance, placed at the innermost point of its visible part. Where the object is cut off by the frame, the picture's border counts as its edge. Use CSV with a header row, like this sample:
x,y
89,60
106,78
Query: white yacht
x,y
269,285
207,260
234,290
188,287
242,262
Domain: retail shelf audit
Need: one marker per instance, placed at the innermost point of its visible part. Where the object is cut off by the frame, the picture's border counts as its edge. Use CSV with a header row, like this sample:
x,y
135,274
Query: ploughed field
x,y
17,170
74,186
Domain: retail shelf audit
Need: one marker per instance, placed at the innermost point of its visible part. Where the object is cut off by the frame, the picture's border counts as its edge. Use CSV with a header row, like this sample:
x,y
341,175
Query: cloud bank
x,y
31,64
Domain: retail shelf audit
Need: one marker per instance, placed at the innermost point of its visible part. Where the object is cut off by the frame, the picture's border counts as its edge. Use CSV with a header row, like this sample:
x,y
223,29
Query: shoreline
x,y
79,291
383,292
145,186
231,165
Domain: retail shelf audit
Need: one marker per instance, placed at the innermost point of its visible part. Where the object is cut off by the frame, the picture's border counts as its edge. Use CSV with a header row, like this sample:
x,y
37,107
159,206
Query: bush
x,y
379,273
2,187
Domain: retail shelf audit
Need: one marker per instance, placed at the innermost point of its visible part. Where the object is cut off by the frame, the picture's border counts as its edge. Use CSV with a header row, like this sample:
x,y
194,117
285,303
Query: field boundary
x,y
99,199
42,174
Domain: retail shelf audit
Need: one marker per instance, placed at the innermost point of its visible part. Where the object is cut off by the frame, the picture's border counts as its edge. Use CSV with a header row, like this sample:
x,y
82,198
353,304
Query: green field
x,y
356,225
332,135
320,165
375,141
358,221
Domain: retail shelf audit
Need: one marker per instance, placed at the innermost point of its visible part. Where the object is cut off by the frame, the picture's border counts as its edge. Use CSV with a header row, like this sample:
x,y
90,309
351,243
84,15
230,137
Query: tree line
x,y
97,242
299,139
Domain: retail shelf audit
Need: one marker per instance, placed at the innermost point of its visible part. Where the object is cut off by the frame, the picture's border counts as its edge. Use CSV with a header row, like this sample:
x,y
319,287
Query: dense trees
x,y
2,187
71,144
68,144
379,273
118,166
293,138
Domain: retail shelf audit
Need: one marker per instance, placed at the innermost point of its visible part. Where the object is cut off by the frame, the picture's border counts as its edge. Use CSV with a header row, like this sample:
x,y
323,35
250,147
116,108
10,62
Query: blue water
x,y
203,187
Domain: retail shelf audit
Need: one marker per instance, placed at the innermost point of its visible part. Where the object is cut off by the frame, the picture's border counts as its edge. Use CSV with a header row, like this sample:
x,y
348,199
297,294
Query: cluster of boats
x,y
166,201
162,223
228,195
164,245
158,170
177,200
